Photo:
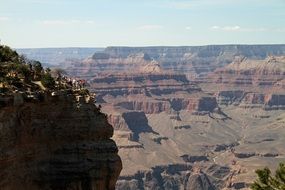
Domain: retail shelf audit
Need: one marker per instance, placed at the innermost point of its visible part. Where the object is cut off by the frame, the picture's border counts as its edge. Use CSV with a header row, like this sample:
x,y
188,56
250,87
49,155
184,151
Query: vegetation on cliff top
x,y
19,73
266,181
23,80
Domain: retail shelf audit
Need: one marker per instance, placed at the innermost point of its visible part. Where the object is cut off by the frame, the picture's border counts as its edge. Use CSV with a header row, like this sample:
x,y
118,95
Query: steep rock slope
x,y
59,142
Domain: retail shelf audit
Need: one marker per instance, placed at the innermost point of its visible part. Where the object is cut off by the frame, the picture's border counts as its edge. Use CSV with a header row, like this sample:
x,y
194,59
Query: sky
x,y
101,23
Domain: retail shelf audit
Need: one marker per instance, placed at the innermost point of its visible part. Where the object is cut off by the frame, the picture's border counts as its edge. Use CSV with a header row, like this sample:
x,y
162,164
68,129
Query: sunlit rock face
x,y
57,143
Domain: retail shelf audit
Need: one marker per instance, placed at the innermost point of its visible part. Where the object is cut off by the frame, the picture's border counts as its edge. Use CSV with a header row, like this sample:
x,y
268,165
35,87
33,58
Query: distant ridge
x,y
246,50
56,56
59,56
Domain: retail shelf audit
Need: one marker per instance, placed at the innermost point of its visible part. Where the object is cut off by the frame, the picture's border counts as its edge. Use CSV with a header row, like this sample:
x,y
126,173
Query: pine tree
x,y
266,181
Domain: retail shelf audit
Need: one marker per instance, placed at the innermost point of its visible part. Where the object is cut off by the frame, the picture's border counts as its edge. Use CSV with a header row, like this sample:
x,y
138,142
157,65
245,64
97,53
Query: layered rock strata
x,y
248,83
209,130
194,61
57,142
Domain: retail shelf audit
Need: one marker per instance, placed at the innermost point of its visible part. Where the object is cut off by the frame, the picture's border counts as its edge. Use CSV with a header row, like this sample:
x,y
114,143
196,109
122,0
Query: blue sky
x,y
101,23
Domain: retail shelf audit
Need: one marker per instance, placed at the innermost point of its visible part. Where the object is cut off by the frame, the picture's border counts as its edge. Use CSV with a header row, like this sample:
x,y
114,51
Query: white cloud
x,y
4,18
150,27
66,22
226,28
231,28
215,27
237,29
188,28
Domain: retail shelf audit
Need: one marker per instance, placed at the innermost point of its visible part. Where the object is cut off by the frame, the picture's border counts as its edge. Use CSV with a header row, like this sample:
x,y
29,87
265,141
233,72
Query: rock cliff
x,y
57,143
176,176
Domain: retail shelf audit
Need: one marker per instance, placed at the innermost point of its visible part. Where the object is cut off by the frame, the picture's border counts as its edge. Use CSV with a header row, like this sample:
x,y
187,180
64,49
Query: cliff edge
x,y
60,142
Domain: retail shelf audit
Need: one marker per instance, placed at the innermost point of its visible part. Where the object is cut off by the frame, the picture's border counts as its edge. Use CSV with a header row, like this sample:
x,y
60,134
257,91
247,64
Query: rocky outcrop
x,y
228,97
175,176
148,107
275,101
243,155
223,147
192,159
152,67
254,98
117,121
137,123
199,182
59,142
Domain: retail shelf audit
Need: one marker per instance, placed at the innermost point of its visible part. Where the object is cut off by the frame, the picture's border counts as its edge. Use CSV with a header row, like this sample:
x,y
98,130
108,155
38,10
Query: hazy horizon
x,y
62,47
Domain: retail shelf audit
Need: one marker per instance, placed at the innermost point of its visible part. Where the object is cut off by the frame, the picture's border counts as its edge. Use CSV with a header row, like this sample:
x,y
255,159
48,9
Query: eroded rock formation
x,y
195,60
191,117
57,143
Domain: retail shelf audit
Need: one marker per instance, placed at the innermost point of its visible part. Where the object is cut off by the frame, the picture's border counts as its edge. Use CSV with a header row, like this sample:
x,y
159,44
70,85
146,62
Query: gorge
x,y
201,117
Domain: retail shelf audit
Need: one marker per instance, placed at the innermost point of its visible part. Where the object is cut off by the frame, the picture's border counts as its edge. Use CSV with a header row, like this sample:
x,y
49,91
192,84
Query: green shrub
x,y
38,69
83,92
8,55
48,81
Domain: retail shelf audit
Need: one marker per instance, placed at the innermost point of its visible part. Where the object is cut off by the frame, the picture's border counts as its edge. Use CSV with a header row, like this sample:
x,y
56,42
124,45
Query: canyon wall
x,y
58,142
192,60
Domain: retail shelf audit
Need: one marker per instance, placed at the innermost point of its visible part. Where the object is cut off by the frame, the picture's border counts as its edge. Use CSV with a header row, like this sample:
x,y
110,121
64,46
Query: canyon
x,y
203,117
